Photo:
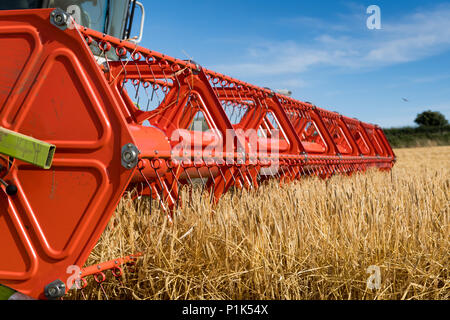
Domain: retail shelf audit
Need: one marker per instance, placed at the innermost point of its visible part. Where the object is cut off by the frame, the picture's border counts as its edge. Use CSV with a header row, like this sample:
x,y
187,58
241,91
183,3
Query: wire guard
x,y
180,96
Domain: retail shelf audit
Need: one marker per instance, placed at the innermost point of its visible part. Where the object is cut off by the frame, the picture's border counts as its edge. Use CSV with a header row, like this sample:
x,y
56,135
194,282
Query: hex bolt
x,y
55,290
52,291
59,19
129,156
11,190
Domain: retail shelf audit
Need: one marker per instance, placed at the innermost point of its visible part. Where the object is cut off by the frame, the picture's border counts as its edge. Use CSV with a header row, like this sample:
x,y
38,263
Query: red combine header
x,y
126,118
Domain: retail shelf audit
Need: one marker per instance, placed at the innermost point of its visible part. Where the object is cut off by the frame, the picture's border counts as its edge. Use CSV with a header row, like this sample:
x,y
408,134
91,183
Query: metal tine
x,y
330,170
178,185
82,293
104,292
258,176
298,115
190,98
169,196
234,183
241,111
192,185
242,185
105,56
124,70
234,179
235,99
161,197
281,168
260,109
184,112
233,109
213,185
272,174
298,175
150,188
250,178
221,173
290,173
211,82
201,179
139,80
224,90
253,108
155,91
244,180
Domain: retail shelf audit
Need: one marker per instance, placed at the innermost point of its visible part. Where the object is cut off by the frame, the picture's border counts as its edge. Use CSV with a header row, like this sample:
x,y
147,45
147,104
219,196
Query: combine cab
x,y
126,118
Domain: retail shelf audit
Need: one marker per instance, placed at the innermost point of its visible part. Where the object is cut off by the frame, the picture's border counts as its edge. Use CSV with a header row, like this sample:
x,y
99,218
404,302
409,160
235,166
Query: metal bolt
x,y
55,290
127,156
59,18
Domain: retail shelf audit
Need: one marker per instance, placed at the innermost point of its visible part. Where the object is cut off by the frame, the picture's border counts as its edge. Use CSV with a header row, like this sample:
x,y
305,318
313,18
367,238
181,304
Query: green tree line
x,y
432,130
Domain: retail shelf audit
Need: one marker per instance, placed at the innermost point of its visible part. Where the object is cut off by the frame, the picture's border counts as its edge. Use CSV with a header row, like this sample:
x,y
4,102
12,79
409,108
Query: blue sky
x,y
320,50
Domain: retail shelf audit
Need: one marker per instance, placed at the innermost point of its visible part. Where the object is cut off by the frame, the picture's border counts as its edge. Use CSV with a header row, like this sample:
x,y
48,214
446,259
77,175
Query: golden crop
x,y
312,239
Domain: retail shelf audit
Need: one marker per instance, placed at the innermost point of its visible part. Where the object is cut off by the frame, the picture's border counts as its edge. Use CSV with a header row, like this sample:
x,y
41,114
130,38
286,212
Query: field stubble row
x,y
311,239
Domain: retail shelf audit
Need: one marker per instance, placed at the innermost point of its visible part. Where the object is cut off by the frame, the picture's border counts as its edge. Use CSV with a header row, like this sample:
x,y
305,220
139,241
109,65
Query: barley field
x,y
307,240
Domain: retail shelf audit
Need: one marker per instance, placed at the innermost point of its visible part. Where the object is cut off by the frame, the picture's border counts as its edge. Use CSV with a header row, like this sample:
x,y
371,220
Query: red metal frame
x,y
52,88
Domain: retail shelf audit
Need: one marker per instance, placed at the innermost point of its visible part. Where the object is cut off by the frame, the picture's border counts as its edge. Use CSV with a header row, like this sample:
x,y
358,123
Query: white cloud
x,y
409,38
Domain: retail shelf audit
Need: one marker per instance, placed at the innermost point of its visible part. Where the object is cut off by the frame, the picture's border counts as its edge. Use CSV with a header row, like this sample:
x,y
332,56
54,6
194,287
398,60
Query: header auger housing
x,y
142,122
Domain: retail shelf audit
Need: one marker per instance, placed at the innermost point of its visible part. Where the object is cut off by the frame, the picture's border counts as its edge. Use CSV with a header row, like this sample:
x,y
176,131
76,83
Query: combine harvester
x,y
123,118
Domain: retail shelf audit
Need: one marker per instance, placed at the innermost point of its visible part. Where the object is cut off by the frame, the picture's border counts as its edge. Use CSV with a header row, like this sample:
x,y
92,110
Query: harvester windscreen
x,y
89,13
104,16
20,4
